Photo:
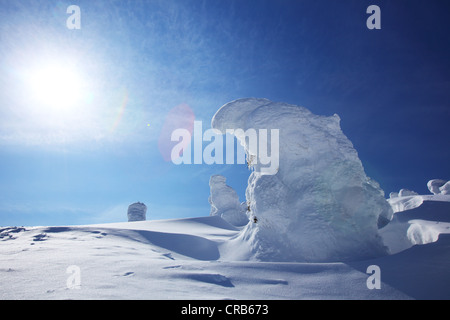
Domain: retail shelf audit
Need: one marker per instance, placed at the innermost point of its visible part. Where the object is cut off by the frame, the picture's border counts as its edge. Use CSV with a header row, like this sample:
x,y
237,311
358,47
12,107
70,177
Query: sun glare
x,y
57,87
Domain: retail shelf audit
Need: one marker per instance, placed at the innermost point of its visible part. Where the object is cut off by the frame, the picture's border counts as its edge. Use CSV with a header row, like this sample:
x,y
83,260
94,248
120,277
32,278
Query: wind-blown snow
x,y
320,205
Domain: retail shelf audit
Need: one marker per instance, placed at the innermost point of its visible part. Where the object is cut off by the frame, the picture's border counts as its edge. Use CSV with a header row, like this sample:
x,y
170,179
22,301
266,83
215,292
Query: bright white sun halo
x,y
57,87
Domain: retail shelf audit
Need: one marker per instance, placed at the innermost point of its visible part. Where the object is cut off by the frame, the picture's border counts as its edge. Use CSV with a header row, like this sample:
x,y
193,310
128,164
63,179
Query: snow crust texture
x,y
320,205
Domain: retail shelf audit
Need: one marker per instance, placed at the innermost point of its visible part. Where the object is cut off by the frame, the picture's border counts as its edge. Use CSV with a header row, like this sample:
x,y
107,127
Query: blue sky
x,y
141,59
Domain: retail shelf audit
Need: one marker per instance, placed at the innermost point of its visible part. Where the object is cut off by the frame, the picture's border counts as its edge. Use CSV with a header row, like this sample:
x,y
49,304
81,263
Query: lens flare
x,y
181,116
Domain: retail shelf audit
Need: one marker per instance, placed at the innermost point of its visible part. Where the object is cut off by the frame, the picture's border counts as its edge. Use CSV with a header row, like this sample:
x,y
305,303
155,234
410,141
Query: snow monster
x,y
319,206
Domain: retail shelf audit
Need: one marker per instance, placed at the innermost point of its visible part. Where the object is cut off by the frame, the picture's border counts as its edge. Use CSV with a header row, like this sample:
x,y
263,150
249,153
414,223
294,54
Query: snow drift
x,y
320,205
192,258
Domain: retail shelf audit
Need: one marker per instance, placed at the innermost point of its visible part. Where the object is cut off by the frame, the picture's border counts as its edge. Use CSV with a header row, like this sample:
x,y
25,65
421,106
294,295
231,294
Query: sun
x,y
57,87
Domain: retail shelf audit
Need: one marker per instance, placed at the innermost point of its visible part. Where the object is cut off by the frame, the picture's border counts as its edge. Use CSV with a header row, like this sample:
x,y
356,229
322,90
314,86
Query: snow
x,y
137,212
320,205
445,189
322,228
405,203
225,202
434,185
418,219
393,195
406,192
192,258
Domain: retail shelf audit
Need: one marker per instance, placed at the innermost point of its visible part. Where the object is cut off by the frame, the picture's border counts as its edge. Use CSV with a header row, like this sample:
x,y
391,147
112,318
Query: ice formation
x,y
445,189
320,205
402,193
137,212
439,186
225,202
406,193
393,195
